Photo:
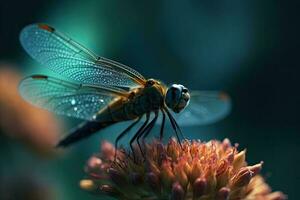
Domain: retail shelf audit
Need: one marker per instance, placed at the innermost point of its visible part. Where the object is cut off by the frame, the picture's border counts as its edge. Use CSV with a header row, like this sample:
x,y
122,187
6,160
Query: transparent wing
x,y
205,107
65,98
70,59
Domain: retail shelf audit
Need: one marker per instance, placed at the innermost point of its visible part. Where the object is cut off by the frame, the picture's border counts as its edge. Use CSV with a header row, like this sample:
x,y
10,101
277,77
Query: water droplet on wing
x,y
73,102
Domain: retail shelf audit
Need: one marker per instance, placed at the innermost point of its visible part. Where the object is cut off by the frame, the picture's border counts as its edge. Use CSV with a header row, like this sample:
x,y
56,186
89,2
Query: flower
x,y
193,171
19,120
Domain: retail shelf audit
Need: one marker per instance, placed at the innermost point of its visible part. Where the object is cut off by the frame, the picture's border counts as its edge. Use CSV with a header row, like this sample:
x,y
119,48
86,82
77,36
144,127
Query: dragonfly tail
x,y
84,130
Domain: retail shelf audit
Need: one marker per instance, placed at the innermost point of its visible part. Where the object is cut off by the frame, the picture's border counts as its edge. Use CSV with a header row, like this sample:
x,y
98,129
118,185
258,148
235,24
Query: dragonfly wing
x,y
205,107
70,59
66,98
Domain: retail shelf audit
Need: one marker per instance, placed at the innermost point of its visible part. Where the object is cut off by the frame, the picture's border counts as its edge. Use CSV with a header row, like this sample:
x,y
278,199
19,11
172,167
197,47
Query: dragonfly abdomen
x,y
84,130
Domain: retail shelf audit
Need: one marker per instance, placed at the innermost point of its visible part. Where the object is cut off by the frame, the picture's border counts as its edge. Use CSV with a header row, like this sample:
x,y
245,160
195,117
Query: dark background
x,y
248,48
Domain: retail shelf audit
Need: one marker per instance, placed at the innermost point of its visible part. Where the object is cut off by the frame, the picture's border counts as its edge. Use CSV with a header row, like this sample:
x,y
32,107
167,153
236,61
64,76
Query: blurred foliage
x,y
248,48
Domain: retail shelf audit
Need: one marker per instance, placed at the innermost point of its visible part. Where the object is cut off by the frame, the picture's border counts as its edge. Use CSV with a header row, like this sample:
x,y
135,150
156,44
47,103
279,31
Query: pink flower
x,y
197,171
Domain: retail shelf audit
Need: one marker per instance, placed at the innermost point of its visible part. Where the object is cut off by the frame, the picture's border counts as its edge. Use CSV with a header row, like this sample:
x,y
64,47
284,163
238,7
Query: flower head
x,y
195,171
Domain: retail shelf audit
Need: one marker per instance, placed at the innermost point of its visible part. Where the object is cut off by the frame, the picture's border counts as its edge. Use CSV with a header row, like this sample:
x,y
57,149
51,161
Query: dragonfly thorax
x,y
155,91
177,97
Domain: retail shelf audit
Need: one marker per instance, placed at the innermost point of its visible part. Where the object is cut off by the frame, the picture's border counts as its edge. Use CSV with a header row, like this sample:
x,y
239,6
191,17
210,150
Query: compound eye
x,y
175,93
177,97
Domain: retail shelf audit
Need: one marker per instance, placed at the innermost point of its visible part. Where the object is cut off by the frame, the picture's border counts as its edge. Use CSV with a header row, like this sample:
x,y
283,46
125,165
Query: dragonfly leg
x,y
161,133
146,129
178,128
150,127
123,134
174,125
140,134
141,129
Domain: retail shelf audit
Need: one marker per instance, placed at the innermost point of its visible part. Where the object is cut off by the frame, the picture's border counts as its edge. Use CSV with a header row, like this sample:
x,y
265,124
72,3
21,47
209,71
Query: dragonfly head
x,y
177,97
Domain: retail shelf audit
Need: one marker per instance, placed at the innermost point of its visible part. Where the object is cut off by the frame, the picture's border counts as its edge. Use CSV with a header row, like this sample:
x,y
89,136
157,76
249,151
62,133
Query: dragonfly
x,y
103,92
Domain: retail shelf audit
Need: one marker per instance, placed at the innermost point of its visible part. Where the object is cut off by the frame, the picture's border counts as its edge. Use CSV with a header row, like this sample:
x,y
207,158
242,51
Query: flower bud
x,y
255,169
87,184
222,174
211,179
177,192
196,170
161,153
153,181
226,144
167,175
230,156
239,160
181,175
223,194
94,162
107,150
199,187
242,178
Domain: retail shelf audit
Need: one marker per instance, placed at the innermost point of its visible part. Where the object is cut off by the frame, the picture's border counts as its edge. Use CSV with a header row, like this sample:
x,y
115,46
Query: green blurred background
x,y
248,48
